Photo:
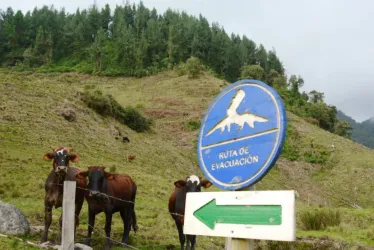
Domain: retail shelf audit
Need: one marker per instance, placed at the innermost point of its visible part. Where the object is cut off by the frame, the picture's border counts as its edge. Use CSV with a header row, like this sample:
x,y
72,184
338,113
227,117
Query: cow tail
x,y
133,215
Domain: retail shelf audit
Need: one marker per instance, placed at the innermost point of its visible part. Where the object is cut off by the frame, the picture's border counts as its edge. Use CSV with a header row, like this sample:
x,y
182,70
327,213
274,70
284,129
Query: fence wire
x,y
103,234
112,197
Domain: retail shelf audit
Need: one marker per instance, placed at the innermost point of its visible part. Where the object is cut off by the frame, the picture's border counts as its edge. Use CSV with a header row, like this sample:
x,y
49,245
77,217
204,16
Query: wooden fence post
x,y
68,216
240,244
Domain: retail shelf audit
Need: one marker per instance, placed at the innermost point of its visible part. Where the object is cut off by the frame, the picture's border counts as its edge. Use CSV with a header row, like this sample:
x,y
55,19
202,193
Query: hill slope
x,y
31,123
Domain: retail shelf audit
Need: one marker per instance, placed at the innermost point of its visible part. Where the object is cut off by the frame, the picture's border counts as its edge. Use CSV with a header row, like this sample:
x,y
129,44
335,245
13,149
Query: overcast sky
x,y
329,43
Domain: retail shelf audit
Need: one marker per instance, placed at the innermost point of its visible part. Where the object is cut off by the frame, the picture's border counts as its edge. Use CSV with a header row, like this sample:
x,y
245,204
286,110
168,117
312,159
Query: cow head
x,y
61,157
96,177
193,183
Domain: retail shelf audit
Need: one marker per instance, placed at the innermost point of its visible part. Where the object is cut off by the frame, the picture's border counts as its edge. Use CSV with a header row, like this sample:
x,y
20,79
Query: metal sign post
x,y
240,139
240,243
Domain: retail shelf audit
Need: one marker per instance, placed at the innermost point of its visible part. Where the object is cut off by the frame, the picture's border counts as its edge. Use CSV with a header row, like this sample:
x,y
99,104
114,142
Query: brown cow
x,y
131,157
177,205
54,185
110,193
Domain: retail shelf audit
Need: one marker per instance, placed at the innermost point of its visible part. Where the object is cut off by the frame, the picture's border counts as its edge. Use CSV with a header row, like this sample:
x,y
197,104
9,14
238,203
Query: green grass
x,y
318,219
31,123
353,226
12,243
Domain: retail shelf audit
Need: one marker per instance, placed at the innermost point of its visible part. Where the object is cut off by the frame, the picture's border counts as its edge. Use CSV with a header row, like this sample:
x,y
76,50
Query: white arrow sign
x,y
264,215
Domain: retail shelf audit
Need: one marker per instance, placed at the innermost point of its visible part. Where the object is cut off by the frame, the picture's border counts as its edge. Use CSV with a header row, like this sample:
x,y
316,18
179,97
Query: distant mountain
x,y
363,132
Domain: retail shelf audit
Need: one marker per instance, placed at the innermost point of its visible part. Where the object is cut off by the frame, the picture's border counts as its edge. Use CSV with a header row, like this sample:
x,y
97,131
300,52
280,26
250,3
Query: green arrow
x,y
210,214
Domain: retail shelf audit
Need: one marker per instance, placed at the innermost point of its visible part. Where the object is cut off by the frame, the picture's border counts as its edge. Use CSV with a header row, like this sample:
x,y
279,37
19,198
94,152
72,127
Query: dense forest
x,y
133,40
362,132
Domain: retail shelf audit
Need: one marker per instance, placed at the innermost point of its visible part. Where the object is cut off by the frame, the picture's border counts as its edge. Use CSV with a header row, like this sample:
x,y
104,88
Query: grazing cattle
x,y
131,157
54,185
110,193
177,205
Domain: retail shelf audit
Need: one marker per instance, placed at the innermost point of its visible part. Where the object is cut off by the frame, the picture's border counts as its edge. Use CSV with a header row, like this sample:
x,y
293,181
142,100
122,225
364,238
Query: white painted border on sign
x,y
284,232
260,171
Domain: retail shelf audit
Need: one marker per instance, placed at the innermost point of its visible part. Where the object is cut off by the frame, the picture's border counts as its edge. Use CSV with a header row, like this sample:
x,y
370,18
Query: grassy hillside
x,y
31,123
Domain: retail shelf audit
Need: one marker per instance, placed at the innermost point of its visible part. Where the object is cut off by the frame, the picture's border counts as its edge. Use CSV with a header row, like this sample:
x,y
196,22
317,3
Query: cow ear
x,y
48,156
74,157
82,175
109,176
180,183
206,183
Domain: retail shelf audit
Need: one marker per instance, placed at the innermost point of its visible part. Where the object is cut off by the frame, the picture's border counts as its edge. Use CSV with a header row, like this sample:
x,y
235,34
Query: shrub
x,y
193,67
83,67
181,69
192,125
290,149
98,102
319,219
252,72
318,154
106,105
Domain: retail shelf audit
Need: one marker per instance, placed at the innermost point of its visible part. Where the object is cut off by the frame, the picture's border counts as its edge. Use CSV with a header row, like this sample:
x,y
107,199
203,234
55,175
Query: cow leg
x,y
126,215
134,223
60,224
182,238
189,243
47,221
91,225
78,208
108,225
193,241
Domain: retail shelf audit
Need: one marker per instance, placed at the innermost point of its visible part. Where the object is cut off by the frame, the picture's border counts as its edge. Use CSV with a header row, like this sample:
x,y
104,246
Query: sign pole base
x,y
242,244
237,243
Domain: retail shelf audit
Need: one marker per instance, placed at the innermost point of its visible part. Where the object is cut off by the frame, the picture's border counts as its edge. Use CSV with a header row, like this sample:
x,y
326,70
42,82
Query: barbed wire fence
x,y
103,234
280,181
108,197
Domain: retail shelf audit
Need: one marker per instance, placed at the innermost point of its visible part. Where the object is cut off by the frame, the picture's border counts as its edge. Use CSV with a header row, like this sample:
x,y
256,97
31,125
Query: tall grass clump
x,y
106,105
193,67
319,219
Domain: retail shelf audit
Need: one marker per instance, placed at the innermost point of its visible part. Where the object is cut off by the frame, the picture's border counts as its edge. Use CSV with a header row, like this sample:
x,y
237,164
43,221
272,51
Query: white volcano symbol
x,y
234,118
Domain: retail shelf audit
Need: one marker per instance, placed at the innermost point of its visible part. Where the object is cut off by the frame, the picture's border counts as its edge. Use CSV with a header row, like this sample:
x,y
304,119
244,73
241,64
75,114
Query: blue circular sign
x,y
242,134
